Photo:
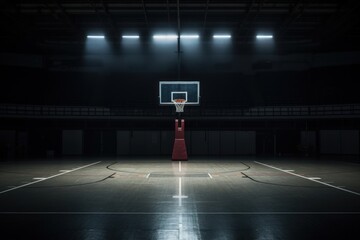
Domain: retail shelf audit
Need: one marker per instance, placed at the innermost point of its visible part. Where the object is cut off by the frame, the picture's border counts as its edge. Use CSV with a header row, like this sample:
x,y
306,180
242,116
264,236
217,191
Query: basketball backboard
x,y
188,90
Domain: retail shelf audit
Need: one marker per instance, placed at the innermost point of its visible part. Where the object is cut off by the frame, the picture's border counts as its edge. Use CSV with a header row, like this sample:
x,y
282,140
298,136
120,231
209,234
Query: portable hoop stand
x,y
179,150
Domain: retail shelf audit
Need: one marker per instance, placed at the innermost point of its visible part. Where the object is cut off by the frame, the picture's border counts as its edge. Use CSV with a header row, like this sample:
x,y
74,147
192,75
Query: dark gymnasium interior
x,y
267,145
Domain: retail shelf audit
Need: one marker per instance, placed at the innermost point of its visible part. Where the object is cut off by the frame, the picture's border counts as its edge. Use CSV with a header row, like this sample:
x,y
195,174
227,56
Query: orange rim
x,y
179,100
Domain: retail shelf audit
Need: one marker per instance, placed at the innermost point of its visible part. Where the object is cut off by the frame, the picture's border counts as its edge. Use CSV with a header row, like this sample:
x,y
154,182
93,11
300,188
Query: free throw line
x,y
310,179
43,179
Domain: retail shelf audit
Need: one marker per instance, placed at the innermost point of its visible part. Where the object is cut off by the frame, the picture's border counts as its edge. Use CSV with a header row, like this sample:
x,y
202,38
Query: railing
x,y
15,110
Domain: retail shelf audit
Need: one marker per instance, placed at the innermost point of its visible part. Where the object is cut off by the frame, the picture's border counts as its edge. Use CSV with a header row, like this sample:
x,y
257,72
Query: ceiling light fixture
x,y
166,37
192,36
96,36
222,36
130,36
264,36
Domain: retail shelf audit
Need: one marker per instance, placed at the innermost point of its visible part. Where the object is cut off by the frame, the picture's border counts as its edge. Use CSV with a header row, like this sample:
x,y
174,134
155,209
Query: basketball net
x,y
179,104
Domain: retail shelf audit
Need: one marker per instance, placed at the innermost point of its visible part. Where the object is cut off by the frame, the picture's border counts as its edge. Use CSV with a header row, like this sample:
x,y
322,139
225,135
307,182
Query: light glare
x,y
96,36
131,36
264,36
185,36
166,37
222,36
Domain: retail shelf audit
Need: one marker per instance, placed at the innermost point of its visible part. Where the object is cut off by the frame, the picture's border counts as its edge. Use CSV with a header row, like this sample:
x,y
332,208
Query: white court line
x,y
210,175
147,176
182,213
180,196
180,187
180,166
64,170
289,170
40,180
314,180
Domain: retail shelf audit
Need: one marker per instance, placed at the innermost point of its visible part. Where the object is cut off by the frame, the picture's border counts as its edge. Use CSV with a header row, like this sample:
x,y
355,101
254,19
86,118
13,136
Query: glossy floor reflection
x,y
159,199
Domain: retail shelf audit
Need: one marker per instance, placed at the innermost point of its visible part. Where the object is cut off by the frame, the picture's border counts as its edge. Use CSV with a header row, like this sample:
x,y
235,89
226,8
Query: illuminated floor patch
x,y
168,175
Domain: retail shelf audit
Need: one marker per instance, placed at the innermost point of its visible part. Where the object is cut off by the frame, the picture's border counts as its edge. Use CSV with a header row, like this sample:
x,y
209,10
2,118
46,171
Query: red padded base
x,y
179,150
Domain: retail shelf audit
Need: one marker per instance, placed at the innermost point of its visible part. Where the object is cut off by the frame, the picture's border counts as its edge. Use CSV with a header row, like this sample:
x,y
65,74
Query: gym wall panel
x,y
339,141
123,142
137,143
22,144
72,142
7,143
265,142
108,144
227,142
308,138
350,141
214,142
287,141
153,142
245,142
199,144
330,142
92,142
167,142
145,142
37,142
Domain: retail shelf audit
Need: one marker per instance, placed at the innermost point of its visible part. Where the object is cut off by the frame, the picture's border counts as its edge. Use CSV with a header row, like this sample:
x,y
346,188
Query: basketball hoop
x,y
179,104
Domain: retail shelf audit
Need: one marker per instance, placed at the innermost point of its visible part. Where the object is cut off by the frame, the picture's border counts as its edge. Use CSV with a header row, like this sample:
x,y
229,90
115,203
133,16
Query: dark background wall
x,y
49,138
326,85
128,77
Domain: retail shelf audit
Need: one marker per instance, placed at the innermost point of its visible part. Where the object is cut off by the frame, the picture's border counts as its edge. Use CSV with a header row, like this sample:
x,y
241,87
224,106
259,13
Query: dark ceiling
x,y
330,25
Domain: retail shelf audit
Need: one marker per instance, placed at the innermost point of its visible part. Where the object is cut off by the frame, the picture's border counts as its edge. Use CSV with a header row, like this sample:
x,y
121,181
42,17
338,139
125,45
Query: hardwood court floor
x,y
239,198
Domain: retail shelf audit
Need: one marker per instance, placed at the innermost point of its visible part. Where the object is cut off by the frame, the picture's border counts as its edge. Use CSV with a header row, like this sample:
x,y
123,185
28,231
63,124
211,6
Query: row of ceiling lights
x,y
174,36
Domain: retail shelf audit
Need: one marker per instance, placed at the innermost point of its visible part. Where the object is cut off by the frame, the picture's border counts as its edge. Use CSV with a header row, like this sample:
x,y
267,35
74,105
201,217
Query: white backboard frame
x,y
180,82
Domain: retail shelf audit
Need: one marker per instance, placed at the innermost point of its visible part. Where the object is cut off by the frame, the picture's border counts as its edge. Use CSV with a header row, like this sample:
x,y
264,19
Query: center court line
x,y
43,179
180,196
310,179
179,166
182,213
